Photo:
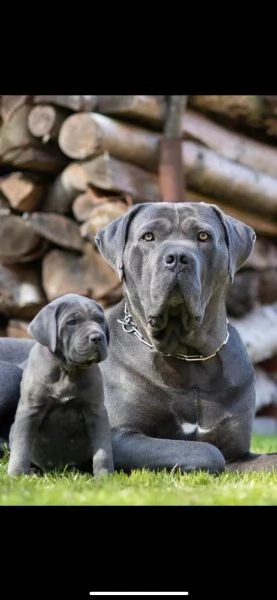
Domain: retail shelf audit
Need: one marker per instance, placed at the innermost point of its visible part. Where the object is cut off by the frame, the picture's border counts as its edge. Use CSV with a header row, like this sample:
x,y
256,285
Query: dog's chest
x,y
199,417
64,390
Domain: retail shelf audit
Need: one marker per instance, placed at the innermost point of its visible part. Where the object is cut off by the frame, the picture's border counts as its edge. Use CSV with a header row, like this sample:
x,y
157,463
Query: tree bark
x,y
212,174
109,174
67,185
258,330
84,205
18,147
16,237
58,229
85,135
10,104
234,146
21,295
149,110
89,275
76,103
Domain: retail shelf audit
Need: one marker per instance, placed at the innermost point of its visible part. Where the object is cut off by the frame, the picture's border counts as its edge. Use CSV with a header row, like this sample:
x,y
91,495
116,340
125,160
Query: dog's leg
x,y
102,445
136,451
21,442
254,462
10,377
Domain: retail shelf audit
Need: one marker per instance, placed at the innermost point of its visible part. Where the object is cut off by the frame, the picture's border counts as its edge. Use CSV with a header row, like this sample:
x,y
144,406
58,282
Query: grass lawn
x,y
144,487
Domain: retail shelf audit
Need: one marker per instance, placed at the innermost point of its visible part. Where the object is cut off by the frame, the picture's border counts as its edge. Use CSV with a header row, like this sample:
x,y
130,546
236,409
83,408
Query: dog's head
x,y
175,260
74,328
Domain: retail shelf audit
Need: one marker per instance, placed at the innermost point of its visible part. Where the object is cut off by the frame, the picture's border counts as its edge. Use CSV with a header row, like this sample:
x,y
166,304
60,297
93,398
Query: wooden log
x,y
248,111
258,331
84,135
249,289
29,257
71,181
244,109
18,329
10,104
149,110
212,174
21,295
112,175
16,237
76,103
18,147
243,294
266,389
235,146
58,229
23,192
45,120
263,255
101,216
90,275
84,205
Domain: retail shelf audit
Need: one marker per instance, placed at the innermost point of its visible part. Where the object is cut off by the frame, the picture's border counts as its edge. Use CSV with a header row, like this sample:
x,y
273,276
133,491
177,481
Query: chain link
x,y
129,326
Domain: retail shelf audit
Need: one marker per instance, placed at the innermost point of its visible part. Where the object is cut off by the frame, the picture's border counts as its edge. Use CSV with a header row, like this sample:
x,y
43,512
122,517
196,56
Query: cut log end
x,y
79,136
41,120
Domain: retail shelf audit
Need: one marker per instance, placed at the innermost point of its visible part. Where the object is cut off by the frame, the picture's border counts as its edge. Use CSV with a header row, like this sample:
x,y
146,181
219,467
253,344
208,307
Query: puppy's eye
x,y
71,322
203,236
148,236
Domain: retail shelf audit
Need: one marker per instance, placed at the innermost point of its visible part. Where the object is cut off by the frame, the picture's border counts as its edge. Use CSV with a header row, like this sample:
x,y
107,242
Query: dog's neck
x,y
201,344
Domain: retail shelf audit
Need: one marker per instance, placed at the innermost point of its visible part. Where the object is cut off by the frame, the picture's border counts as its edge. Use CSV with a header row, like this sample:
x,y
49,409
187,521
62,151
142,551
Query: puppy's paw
x,y
102,472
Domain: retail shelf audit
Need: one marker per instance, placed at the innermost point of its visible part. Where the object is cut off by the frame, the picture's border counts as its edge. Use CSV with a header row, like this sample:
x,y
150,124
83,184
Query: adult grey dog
x,y
179,385
61,419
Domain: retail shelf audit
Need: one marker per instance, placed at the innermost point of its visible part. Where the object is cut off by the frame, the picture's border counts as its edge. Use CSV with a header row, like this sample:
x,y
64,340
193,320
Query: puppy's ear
x,y
240,239
44,328
111,239
106,327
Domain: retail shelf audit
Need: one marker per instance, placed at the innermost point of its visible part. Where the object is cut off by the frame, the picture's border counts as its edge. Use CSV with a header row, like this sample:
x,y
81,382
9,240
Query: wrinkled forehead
x,y
75,306
176,214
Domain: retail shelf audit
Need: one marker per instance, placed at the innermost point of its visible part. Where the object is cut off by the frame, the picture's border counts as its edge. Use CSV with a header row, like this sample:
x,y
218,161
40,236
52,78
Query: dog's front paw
x,y
102,472
14,471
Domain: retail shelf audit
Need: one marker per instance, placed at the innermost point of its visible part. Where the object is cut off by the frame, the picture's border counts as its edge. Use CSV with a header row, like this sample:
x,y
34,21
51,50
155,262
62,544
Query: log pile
x,y
71,164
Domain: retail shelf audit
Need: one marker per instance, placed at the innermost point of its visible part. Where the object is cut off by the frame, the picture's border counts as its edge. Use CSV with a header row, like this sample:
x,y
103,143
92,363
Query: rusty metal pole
x,y
171,171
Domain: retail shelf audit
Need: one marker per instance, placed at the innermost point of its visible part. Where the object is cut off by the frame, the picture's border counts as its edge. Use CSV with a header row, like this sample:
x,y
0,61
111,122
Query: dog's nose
x,y
176,257
94,337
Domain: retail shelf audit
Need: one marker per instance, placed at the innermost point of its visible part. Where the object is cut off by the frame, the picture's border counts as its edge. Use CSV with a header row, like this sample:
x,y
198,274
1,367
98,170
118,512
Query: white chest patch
x,y
193,428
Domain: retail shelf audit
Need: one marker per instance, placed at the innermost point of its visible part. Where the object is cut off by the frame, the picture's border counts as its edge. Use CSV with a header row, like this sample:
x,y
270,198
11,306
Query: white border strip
x,y
139,593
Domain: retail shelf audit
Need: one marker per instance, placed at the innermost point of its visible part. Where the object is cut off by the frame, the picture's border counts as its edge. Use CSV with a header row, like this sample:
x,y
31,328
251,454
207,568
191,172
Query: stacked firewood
x,y
71,164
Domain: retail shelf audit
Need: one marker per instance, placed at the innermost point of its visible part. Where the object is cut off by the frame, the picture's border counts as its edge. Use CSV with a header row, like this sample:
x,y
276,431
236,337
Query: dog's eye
x,y
203,236
148,236
71,322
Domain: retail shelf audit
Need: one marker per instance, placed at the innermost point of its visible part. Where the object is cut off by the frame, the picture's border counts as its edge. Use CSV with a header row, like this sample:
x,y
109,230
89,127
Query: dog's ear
x,y
105,323
240,239
111,239
44,328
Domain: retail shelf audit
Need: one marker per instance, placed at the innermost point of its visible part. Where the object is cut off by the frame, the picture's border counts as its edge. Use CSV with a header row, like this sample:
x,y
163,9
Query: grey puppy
x,y
61,419
179,385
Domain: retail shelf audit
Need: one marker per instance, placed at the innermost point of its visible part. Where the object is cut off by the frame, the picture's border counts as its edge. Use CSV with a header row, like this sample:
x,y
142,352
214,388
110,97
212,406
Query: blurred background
x,y
71,164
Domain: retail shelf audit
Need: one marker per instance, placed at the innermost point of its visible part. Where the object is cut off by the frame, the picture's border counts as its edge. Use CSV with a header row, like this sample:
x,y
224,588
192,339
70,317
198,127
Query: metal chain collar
x,y
129,326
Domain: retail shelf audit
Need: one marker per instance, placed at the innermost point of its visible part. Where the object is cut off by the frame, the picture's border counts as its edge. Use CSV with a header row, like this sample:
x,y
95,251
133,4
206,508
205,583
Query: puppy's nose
x,y
175,257
95,337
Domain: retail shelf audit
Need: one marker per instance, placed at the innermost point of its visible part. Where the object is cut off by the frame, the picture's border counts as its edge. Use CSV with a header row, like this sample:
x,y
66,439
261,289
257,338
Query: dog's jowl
x,y
61,419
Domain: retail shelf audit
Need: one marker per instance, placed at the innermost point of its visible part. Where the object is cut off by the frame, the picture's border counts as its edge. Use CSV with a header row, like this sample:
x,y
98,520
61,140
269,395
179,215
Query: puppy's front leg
x,y
21,441
102,453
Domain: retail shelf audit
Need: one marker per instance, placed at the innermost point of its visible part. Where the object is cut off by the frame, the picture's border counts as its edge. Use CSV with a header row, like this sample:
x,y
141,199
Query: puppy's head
x,y
74,328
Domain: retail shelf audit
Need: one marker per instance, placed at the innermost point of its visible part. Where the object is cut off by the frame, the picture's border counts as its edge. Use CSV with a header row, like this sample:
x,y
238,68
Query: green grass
x,y
144,487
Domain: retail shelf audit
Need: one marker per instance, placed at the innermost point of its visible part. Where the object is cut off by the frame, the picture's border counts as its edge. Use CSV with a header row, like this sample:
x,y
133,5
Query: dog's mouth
x,y
169,329
85,363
